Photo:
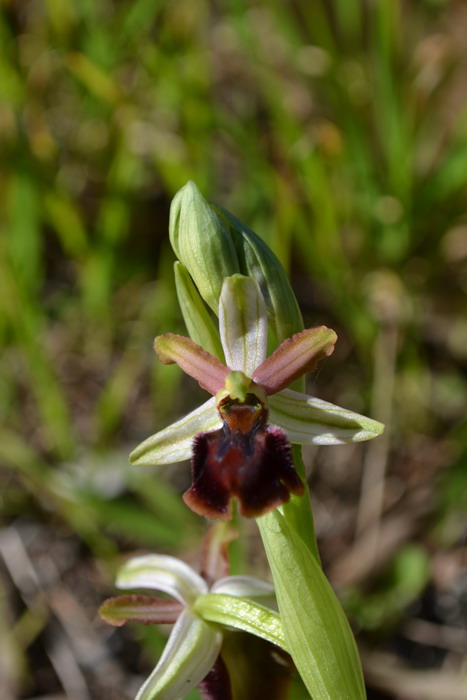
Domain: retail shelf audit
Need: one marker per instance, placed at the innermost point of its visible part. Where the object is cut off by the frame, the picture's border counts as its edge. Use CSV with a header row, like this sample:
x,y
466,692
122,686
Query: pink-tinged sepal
x,y
294,357
255,467
192,359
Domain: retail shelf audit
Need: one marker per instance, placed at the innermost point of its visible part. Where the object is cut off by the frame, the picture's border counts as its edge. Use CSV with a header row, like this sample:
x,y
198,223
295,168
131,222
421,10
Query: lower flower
x,y
201,616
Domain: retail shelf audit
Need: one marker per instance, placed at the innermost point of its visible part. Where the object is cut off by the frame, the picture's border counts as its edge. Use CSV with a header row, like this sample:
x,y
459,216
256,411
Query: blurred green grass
x,y
336,130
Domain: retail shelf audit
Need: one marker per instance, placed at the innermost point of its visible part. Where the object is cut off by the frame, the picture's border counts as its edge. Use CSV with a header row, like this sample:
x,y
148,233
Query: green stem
x,y
298,512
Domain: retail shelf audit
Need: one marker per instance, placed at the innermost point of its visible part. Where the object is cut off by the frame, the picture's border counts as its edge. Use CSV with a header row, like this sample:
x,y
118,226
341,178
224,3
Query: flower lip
x,y
255,467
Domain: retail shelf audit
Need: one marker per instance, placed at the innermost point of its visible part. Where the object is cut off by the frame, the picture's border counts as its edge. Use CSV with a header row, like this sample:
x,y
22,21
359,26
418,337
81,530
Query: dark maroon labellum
x,y
216,685
246,459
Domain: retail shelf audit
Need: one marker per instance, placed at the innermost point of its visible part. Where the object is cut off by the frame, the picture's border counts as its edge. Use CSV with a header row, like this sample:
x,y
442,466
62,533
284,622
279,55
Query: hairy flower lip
x,y
255,467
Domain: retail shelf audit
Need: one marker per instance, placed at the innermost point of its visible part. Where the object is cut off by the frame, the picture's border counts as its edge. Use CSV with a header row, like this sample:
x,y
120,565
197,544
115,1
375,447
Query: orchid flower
x,y
239,439
198,613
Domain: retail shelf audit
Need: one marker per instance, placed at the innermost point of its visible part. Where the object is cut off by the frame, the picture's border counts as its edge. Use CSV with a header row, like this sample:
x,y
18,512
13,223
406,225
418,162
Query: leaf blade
x,y
316,631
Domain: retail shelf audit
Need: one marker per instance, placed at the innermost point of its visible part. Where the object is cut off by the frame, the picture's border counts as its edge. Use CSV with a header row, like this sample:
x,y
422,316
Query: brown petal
x,y
148,610
294,357
192,359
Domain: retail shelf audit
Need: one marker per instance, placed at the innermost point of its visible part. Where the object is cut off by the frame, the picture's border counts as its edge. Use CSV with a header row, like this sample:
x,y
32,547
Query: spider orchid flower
x,y
198,613
239,440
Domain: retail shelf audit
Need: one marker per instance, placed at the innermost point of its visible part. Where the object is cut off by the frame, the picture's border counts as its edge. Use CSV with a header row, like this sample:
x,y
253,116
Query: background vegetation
x,y
337,131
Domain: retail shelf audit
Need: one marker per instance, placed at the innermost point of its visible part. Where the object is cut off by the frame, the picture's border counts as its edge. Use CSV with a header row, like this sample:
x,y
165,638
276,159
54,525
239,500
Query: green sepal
x,y
242,614
298,512
308,420
243,324
316,631
257,260
202,242
198,321
189,655
174,443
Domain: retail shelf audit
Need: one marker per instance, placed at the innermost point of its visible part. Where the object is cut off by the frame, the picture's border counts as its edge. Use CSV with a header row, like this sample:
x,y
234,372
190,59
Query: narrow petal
x,y
294,357
243,323
208,371
243,587
189,655
308,420
145,609
174,443
162,572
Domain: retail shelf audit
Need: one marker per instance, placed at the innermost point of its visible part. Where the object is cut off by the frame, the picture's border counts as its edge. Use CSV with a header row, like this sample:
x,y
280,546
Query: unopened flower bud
x,y
257,260
202,242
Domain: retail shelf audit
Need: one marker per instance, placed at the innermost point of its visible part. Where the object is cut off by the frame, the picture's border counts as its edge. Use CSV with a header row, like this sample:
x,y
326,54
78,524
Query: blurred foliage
x,y
337,131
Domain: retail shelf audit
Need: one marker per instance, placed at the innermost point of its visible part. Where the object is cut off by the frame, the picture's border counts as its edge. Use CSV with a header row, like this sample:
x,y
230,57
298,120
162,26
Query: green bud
x,y
202,242
213,244
200,325
257,260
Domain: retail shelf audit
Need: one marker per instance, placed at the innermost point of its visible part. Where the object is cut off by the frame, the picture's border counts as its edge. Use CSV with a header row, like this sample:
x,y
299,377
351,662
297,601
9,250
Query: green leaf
x,y
242,614
198,321
316,631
